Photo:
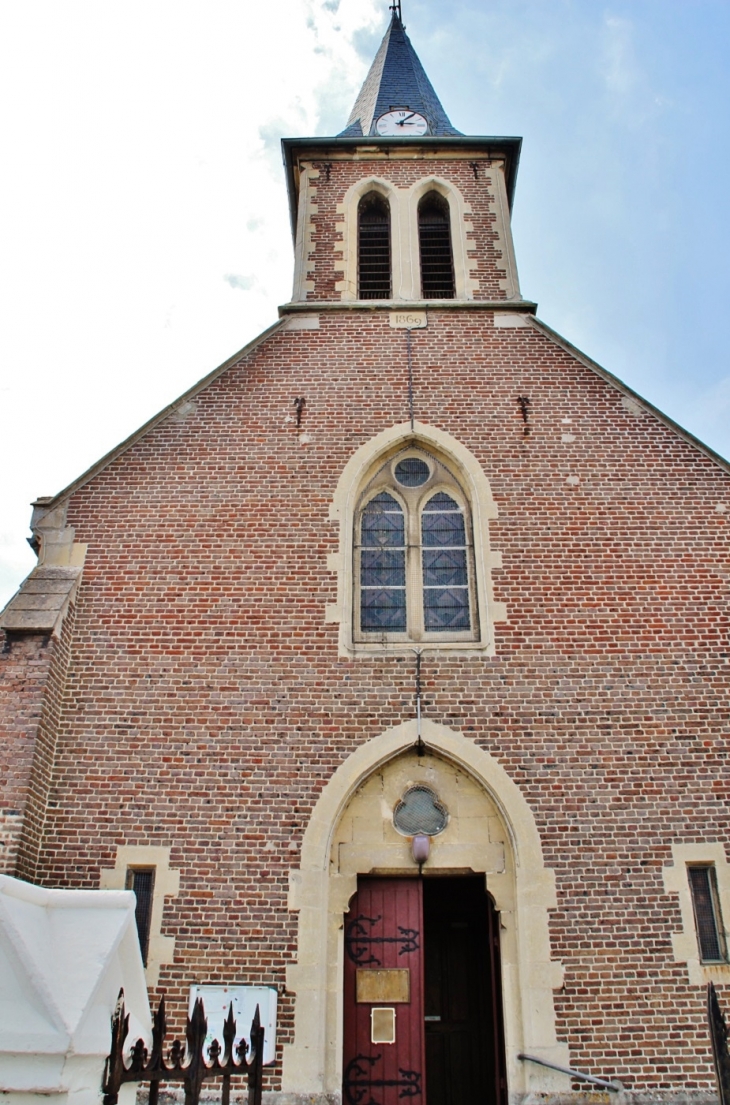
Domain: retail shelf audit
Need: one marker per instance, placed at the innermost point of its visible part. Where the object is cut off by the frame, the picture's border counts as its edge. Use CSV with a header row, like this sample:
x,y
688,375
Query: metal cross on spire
x,y
395,7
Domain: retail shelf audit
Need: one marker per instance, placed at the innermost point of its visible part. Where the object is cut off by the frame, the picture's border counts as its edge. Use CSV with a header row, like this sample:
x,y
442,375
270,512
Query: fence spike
x,y
186,1064
114,1066
229,1035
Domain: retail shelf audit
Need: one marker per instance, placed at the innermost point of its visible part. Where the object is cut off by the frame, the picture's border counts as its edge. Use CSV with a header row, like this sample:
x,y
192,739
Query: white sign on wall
x,y
216,1002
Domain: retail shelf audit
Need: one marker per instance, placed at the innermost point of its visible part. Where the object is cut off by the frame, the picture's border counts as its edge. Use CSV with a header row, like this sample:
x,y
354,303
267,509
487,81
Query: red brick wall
x,y
33,670
24,664
206,704
40,795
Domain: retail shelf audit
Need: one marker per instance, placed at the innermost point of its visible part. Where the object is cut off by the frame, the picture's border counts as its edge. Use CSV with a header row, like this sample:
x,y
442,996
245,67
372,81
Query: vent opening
x,y
434,238
373,231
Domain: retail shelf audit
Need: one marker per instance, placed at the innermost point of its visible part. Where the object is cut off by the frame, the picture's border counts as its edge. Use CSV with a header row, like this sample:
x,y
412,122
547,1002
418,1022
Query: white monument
x,y
64,956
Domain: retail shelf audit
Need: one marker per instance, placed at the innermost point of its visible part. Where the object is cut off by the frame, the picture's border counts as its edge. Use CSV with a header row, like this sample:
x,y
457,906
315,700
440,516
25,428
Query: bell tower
x,y
400,207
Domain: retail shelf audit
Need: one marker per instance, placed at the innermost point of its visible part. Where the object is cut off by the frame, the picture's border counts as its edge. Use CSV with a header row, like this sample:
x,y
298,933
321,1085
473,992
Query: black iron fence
x,y
192,1063
720,1052
189,1063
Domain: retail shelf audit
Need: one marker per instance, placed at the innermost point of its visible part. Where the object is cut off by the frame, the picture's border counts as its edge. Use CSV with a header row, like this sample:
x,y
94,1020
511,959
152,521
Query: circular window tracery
x,y
420,811
412,472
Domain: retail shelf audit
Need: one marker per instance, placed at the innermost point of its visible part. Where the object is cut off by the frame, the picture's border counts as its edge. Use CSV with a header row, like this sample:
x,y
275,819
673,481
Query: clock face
x,y
401,124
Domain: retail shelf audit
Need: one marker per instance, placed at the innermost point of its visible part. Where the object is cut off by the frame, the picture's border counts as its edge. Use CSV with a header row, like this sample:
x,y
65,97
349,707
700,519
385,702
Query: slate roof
x,y
396,79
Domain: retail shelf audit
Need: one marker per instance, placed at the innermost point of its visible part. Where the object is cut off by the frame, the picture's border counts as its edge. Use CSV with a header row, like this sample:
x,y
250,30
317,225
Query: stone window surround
x,y
676,881
358,471
524,892
161,949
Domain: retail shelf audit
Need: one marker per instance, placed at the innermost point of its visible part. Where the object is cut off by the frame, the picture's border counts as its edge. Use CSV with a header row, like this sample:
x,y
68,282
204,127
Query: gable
x,y
240,469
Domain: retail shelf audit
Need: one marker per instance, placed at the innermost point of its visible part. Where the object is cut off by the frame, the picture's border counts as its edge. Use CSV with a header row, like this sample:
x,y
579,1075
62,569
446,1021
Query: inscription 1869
x,y
408,320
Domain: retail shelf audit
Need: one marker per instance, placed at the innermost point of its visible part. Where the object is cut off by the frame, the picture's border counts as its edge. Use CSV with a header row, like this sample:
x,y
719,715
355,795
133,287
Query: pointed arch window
x,y
414,555
373,247
434,240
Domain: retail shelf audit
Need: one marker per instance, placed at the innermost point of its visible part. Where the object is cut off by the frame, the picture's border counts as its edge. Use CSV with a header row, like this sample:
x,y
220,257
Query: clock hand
x,y
402,122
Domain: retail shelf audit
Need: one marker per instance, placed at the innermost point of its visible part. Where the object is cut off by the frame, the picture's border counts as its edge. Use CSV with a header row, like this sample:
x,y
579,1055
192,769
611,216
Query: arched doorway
x,y
491,836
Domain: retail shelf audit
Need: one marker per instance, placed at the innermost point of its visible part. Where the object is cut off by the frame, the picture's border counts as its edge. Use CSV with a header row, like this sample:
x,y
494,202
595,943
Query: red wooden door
x,y
383,968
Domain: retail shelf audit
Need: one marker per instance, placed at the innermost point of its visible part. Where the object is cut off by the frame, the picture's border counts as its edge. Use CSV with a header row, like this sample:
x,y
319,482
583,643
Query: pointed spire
x,y
396,80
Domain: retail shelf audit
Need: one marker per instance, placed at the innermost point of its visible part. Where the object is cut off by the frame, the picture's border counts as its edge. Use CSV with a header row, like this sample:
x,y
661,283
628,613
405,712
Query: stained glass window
x,y
413,557
445,575
383,565
419,811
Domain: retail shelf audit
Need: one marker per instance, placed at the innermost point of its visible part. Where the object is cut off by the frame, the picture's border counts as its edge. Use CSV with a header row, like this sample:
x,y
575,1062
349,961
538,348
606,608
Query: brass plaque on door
x,y
382,1026
392,985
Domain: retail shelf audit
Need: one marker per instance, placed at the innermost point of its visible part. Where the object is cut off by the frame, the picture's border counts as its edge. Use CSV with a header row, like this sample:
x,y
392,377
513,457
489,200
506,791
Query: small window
x,y
142,881
434,239
708,919
373,243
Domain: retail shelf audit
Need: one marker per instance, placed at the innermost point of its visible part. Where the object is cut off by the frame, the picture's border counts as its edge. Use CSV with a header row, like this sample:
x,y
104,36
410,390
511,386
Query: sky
x,y
144,230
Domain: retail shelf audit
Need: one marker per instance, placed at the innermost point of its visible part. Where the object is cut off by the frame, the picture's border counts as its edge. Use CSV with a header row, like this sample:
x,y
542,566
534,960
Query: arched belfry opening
x,y
435,248
477,911
373,247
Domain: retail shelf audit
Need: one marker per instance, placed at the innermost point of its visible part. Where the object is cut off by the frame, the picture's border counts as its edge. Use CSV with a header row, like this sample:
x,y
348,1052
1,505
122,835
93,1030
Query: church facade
x,y
389,665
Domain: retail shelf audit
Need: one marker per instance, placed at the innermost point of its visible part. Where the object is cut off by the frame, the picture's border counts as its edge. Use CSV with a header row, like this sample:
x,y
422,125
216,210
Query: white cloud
x,y
620,69
237,281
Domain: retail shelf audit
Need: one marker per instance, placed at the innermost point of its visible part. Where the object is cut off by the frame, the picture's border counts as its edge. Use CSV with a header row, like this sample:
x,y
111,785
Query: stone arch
x,y
462,462
348,228
523,891
459,211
